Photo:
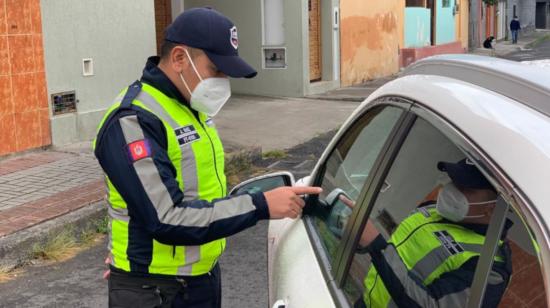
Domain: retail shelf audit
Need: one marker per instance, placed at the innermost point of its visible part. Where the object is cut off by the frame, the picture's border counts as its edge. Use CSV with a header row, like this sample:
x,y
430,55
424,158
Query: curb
x,y
249,154
16,248
339,98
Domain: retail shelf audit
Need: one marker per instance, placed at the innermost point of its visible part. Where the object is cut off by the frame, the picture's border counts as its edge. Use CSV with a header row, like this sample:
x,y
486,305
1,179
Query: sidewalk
x,y
503,48
357,93
47,189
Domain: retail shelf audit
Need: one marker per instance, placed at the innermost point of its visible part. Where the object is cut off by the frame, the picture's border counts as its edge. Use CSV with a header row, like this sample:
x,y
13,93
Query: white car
x,y
494,112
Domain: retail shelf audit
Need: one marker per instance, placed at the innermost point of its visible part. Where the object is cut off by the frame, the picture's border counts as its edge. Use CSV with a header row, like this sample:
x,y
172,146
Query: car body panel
x,y
298,275
513,136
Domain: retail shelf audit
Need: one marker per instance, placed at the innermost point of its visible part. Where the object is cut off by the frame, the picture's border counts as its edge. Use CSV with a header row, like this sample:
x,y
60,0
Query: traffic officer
x,y
431,257
164,168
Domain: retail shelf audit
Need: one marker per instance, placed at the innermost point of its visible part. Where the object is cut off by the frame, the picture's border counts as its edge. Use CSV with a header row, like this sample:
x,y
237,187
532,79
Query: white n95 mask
x,y
453,204
210,94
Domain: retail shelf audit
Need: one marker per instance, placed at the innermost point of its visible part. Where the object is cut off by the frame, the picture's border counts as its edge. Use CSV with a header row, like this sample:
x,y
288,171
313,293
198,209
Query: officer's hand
x,y
107,273
287,201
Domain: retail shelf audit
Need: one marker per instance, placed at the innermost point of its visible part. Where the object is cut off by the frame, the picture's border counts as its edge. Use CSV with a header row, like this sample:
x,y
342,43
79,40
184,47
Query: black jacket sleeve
x,y
151,192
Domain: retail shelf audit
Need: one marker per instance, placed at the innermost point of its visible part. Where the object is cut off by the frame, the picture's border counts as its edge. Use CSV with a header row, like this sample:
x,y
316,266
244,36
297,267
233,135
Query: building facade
x,y
434,27
62,62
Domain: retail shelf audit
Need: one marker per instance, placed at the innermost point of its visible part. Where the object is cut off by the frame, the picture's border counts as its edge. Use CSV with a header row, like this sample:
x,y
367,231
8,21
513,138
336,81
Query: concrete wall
x,y
247,16
526,10
372,34
417,27
445,23
117,35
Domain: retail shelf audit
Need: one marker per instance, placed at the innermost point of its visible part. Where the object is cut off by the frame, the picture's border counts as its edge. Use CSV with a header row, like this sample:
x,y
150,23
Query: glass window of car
x,y
407,249
346,171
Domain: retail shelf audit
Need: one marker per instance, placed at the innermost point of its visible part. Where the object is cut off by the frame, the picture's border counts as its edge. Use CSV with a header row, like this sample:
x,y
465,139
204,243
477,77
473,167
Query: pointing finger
x,y
306,190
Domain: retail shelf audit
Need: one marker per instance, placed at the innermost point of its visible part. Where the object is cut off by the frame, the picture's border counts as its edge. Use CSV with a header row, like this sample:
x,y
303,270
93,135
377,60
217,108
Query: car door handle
x,y
279,304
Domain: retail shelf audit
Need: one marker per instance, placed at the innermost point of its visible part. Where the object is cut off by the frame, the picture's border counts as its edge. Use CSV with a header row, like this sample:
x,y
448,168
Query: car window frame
x,y
397,132
538,230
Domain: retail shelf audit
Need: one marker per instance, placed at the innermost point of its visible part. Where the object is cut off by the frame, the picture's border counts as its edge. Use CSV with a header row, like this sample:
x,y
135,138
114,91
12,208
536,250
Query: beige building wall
x,y
372,34
462,19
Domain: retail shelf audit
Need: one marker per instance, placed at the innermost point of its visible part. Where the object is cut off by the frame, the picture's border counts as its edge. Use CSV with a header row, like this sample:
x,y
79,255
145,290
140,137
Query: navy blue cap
x,y
464,173
210,31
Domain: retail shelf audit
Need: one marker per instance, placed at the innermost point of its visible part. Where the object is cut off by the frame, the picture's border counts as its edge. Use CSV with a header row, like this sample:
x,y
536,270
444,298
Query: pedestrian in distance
x,y
164,170
515,26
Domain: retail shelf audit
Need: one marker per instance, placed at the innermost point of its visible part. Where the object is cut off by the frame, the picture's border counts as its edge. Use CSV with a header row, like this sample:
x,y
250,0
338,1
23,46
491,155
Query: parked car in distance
x,y
494,112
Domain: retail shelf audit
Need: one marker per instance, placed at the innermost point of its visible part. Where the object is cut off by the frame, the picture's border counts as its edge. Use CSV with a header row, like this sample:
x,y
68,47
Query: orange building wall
x,y
24,115
462,19
371,34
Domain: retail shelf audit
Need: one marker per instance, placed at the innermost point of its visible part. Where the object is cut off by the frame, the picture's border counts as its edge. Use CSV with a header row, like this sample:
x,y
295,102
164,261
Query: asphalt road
x,y
78,282
540,52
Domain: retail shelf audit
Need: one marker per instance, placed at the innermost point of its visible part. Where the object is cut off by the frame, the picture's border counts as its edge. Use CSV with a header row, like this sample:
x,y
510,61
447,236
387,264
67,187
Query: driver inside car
x,y
431,257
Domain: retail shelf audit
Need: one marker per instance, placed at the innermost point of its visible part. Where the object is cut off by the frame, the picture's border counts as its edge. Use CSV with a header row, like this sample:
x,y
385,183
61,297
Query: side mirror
x,y
264,183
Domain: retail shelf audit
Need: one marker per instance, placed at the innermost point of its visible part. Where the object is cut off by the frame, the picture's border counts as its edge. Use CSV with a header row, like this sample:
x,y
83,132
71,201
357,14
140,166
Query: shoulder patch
x,y
139,149
448,242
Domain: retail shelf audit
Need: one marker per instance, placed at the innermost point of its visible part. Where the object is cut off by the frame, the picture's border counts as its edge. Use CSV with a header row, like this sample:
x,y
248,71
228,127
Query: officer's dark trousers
x,y
134,291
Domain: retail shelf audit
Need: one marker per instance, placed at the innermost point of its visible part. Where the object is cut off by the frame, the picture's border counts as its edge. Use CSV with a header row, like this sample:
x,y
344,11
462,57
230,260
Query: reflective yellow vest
x,y
200,173
428,247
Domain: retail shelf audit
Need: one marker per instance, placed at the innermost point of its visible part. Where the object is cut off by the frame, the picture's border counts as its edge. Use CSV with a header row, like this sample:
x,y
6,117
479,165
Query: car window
x,y
346,171
413,249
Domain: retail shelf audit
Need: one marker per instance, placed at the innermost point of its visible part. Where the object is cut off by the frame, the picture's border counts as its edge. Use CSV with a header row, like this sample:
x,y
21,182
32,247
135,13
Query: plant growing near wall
x,y
490,2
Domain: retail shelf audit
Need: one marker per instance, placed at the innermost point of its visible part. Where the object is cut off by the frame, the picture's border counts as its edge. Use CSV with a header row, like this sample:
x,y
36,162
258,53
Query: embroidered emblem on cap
x,y
234,38
138,150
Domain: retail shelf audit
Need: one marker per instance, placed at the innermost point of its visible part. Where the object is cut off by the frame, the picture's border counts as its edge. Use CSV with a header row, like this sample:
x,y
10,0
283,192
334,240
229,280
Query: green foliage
x,y
491,2
276,154
55,247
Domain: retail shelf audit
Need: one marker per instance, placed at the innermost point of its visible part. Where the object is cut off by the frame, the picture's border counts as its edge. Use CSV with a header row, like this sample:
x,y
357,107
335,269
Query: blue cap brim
x,y
232,66
465,176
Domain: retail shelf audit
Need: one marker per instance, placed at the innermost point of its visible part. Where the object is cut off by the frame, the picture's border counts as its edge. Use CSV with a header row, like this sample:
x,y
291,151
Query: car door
x,y
406,185
302,253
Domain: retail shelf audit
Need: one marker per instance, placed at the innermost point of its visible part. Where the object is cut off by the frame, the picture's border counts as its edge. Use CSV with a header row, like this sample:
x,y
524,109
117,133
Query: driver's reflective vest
x,y
199,166
428,247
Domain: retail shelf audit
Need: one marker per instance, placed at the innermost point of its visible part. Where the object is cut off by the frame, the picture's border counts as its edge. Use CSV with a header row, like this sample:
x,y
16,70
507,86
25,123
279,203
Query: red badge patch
x,y
138,150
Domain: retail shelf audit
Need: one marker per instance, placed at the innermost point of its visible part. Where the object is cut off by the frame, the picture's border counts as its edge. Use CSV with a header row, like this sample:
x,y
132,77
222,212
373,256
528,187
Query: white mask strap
x,y
193,64
185,83
484,202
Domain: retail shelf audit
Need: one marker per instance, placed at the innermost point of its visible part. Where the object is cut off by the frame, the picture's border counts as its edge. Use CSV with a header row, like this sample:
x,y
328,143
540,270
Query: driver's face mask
x,y
453,204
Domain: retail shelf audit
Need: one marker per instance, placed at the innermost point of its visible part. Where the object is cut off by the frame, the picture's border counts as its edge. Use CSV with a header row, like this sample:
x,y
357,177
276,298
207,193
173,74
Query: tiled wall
x,y
24,115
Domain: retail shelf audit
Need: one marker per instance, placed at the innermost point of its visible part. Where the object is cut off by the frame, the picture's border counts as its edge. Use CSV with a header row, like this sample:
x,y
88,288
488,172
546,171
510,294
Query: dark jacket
x,y
515,25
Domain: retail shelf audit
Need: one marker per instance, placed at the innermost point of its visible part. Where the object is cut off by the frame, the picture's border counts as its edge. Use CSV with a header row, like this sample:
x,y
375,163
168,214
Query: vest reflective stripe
x,y
425,247
188,162
202,180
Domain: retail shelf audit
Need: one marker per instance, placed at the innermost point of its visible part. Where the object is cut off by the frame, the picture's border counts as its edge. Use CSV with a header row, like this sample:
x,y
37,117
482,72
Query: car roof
x,y
513,133
527,84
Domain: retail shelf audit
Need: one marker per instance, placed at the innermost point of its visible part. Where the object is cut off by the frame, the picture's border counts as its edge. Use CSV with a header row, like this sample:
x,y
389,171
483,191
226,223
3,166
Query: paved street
x,y
540,52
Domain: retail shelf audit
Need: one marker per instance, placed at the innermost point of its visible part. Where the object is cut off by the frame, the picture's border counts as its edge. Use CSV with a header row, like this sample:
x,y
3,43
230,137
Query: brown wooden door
x,y
314,40
163,17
